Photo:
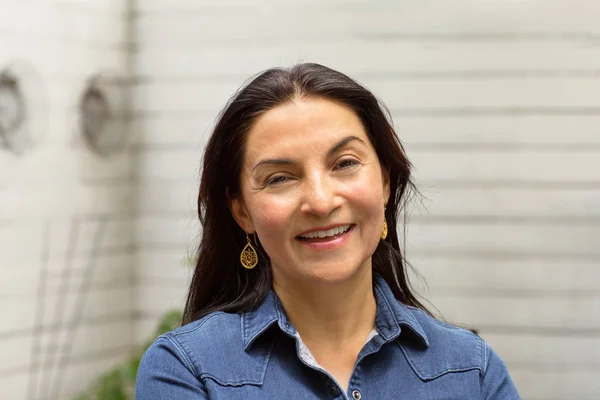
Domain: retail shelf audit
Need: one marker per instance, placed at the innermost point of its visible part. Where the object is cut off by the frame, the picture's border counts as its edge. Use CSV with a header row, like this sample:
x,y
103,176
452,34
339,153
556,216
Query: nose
x,y
318,196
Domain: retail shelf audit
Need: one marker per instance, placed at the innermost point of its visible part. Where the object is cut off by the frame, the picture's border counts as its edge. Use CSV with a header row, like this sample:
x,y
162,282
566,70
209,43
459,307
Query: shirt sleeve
x,y
165,372
496,382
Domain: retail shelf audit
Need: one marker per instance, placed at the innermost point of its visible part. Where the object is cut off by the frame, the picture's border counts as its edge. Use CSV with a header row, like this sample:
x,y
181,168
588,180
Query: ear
x,y
239,212
385,176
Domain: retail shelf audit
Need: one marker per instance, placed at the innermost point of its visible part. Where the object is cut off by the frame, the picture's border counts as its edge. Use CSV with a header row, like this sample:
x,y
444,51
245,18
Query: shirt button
x,y
356,395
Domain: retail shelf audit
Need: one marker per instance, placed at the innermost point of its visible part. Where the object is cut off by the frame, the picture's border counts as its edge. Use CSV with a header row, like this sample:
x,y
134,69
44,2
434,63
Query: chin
x,y
334,274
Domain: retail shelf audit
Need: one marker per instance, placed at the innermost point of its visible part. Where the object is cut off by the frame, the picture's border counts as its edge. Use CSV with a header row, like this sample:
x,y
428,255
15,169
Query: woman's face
x,y
313,190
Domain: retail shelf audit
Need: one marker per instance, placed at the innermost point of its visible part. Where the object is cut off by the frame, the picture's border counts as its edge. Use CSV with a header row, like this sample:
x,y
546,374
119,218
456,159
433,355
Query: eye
x,y
277,179
346,163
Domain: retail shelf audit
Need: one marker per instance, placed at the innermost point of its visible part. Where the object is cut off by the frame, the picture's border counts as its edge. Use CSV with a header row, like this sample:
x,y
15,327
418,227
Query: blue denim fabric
x,y
255,356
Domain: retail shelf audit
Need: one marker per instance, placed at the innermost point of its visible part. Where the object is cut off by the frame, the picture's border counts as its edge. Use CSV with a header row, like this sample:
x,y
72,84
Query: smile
x,y
325,235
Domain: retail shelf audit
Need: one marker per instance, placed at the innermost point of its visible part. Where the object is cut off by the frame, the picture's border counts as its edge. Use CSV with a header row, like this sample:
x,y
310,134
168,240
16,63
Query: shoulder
x,y
211,333
203,345
442,333
452,349
449,348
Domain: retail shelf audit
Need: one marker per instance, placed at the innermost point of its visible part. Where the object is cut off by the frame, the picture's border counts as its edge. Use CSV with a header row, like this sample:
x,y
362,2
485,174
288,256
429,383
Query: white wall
x,y
66,250
498,103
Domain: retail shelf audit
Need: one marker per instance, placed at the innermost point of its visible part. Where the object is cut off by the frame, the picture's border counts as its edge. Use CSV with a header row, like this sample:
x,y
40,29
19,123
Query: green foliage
x,y
119,383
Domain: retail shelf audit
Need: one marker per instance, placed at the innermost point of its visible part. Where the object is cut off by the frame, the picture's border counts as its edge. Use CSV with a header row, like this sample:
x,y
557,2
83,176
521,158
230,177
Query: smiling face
x,y
313,190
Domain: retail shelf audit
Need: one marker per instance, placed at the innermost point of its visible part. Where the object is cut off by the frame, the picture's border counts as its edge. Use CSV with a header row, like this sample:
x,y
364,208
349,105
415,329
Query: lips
x,y
325,234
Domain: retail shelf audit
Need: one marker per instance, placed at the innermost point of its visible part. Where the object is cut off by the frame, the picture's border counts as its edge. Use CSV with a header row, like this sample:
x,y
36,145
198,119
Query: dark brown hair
x,y
219,282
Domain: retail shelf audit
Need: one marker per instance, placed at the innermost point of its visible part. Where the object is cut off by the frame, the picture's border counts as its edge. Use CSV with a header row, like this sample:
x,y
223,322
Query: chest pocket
x,y
439,359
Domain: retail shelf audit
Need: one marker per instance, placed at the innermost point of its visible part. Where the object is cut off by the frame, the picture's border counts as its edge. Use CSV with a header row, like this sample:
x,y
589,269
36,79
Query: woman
x,y
300,288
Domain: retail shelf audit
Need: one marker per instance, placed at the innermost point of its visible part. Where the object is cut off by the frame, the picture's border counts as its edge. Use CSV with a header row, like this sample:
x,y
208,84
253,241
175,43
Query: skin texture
x,y
309,164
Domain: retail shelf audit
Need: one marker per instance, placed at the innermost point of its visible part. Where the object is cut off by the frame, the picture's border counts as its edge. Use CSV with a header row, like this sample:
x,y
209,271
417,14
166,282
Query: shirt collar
x,y
392,316
390,319
255,323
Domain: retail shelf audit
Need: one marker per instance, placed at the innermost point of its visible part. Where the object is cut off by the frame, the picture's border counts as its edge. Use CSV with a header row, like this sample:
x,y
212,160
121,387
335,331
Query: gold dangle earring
x,y
248,257
384,232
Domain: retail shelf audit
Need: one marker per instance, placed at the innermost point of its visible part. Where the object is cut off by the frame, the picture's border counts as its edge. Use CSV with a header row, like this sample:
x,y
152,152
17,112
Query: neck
x,y
338,313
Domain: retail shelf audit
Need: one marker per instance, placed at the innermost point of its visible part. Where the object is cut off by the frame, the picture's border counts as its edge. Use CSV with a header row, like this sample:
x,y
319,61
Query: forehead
x,y
310,123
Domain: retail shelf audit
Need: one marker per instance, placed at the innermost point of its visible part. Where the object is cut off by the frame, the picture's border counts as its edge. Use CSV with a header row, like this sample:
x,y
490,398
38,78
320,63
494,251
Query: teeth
x,y
328,233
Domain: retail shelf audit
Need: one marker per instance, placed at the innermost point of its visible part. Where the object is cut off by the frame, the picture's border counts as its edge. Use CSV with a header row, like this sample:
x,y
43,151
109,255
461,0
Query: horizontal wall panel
x,y
77,376
568,93
24,202
104,25
58,346
66,167
546,352
95,303
557,385
30,241
188,132
504,237
168,197
64,274
173,266
166,230
479,22
361,15
168,97
163,7
527,278
528,204
15,385
540,131
558,312
351,57
552,93
157,299
157,166
490,165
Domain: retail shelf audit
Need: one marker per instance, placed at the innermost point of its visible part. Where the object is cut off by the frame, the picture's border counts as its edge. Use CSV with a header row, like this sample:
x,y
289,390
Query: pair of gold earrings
x,y
249,257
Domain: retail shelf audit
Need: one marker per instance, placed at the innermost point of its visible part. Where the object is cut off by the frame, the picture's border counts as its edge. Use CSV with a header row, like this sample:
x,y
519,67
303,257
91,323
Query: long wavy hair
x,y
219,282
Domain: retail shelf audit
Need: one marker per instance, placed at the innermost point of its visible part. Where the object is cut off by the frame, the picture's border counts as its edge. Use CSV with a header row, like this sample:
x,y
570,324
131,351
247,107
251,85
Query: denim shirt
x,y
257,355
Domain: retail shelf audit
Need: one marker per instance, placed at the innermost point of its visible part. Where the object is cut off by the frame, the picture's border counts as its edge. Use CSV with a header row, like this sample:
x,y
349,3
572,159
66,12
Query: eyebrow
x,y
287,161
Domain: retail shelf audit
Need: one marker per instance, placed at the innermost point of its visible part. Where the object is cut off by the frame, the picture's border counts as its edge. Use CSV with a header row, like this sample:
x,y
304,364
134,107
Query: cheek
x,y
367,194
271,224
270,218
